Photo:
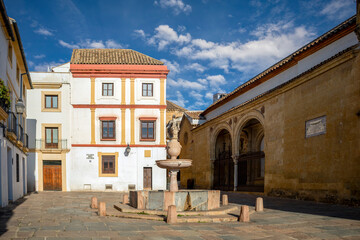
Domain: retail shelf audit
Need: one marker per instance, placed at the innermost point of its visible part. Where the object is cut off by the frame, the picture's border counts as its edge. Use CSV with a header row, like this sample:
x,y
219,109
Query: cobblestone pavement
x,y
66,215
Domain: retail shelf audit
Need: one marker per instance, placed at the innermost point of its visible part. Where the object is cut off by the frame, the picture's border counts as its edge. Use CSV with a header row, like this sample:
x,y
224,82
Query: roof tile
x,y
112,56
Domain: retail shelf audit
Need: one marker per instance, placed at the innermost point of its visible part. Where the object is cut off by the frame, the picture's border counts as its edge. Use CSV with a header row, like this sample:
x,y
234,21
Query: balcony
x,y
54,146
12,128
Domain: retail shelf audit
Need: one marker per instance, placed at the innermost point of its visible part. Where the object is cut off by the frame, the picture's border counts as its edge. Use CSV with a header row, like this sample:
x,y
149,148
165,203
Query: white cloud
x,y
272,42
68,45
165,35
88,43
216,80
185,84
180,100
209,95
43,31
178,6
112,44
40,56
45,66
174,67
139,33
339,9
196,67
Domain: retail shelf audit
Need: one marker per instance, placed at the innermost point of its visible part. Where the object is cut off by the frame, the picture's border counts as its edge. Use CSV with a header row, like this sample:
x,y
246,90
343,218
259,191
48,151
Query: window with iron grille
x,y
108,89
51,101
108,164
147,130
108,129
147,89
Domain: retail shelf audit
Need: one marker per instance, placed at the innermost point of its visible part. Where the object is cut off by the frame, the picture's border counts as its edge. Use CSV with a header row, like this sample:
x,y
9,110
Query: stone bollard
x,y
259,207
171,215
102,209
225,200
244,214
125,199
94,203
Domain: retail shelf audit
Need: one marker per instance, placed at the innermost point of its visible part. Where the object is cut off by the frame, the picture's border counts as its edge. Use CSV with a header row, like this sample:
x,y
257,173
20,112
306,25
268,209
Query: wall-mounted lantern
x,y
127,150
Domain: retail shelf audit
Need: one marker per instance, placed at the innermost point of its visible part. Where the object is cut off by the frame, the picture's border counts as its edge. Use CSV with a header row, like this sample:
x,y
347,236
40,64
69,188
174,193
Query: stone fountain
x,y
173,164
184,200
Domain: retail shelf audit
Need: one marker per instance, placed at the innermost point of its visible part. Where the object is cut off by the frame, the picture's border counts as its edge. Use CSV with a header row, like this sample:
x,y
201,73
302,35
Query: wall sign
x,y
90,156
315,127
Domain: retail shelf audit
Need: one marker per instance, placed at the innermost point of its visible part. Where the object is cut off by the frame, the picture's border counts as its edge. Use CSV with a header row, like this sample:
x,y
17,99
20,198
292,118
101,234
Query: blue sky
x,y
210,46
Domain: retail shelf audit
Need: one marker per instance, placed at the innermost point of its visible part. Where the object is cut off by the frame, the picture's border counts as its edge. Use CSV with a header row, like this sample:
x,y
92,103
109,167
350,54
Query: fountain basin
x,y
184,200
174,165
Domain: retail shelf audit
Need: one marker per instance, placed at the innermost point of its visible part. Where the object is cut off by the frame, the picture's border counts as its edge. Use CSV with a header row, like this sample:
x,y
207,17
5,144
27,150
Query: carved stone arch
x,y
253,114
214,135
258,139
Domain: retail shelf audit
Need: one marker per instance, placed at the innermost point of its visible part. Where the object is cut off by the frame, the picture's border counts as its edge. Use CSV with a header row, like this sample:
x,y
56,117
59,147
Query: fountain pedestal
x,y
184,200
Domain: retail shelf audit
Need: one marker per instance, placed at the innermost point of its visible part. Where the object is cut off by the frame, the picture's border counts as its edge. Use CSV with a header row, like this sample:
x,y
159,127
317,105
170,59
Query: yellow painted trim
x,y
45,125
92,110
123,128
47,85
123,85
92,100
147,153
132,127
43,109
162,127
132,90
100,154
162,91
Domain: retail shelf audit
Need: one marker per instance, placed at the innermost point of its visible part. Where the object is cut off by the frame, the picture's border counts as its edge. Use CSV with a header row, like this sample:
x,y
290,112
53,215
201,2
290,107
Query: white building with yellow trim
x,y
100,122
15,79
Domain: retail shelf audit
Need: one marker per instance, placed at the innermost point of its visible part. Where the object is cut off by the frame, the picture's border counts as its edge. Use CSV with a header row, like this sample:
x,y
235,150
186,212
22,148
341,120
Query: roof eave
x,y
6,20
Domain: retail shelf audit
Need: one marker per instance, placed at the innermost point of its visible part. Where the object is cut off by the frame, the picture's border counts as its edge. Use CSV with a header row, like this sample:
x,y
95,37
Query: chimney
x,y
217,96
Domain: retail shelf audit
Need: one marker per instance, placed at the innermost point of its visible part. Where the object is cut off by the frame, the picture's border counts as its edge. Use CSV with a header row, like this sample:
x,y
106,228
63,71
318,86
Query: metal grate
x,y
108,187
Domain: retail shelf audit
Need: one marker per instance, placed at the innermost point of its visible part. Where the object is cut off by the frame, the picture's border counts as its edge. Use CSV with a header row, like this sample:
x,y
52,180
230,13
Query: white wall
x,y
130,169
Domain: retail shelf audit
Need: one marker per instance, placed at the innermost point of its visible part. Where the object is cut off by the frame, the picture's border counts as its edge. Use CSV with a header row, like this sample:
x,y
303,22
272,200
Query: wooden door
x,y
52,175
147,178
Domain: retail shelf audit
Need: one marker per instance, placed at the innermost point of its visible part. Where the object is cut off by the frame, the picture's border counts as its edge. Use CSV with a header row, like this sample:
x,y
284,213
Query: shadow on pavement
x,y
7,212
297,206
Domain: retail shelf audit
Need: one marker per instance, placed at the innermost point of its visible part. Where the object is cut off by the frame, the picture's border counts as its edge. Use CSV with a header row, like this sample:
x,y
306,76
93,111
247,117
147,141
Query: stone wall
x,y
324,167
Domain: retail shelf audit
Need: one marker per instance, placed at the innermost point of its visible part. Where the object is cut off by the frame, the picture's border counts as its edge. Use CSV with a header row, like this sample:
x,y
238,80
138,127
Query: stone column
x,y
235,159
173,181
212,167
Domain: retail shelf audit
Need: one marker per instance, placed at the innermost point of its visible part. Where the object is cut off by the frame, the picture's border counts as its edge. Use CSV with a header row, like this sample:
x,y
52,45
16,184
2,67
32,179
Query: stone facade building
x,y
292,130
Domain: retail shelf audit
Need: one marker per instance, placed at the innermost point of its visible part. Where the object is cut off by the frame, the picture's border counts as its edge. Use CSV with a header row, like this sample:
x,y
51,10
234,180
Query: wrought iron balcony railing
x,y
55,144
12,123
26,140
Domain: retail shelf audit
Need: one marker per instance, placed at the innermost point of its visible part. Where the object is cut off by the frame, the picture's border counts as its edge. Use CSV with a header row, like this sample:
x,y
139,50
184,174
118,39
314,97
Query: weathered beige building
x,y
293,130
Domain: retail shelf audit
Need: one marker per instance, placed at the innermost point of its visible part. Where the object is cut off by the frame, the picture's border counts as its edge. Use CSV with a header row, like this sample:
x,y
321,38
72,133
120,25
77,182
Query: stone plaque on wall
x,y
315,127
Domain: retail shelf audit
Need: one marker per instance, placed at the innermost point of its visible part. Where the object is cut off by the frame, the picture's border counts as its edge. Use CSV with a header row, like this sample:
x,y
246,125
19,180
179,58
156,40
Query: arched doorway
x,y
251,161
223,165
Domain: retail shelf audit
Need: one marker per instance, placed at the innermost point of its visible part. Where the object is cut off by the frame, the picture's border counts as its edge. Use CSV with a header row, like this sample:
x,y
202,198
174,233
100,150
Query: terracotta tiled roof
x,y
287,59
193,114
112,56
170,106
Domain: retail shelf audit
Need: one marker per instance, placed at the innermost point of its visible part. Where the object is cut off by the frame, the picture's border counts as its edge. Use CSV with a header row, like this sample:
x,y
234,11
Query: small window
x,y
17,168
10,53
108,89
108,129
51,101
51,137
148,130
108,164
147,89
